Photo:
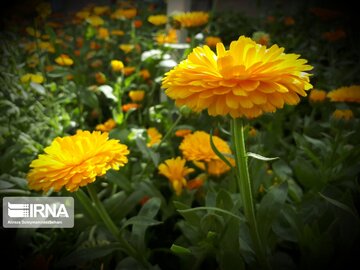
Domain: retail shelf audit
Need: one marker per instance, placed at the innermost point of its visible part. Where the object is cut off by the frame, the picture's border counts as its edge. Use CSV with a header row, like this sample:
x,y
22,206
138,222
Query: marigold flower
x,y
117,65
129,106
175,171
317,95
64,60
182,132
246,80
46,46
129,70
343,114
252,132
95,20
195,183
212,41
30,77
100,77
157,19
126,48
145,74
136,95
192,19
169,37
100,10
82,14
103,33
345,94
154,136
124,13
75,161
138,23
107,126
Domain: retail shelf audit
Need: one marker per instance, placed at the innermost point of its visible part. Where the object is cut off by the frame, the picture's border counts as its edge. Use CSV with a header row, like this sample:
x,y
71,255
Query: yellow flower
x,y
107,126
175,171
169,37
136,95
343,114
103,33
124,13
30,77
64,60
157,19
95,20
212,41
129,70
117,65
317,95
346,94
100,10
145,74
246,80
46,46
83,14
100,77
75,161
154,136
126,48
192,19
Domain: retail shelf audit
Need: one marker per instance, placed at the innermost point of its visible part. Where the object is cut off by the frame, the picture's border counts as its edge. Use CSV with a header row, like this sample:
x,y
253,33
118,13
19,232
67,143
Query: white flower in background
x,y
154,54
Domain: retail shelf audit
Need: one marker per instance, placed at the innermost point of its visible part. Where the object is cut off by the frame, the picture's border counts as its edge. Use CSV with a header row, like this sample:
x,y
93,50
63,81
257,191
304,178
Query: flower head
x,y
30,77
129,106
107,126
175,171
346,94
182,132
154,136
157,19
192,19
117,65
95,20
169,37
64,60
126,48
246,80
75,161
317,95
212,41
343,114
137,95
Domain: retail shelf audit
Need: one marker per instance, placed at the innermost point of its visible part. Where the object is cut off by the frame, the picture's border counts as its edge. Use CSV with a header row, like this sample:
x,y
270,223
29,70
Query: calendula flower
x,y
126,48
95,20
117,65
317,95
212,41
46,46
128,70
247,80
252,132
107,126
100,10
30,77
195,183
129,106
75,161
182,132
136,95
196,147
169,37
154,136
64,60
343,114
157,19
138,23
103,33
335,35
345,94
124,13
145,74
192,19
175,171
100,77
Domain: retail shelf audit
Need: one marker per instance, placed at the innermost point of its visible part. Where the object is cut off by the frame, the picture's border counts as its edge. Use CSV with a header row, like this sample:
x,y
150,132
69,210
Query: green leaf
x,y
192,217
141,220
201,208
260,157
180,250
224,200
340,205
89,98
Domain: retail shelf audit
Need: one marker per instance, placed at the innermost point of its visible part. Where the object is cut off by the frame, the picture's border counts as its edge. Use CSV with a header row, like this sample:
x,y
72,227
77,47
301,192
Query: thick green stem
x,y
245,187
114,229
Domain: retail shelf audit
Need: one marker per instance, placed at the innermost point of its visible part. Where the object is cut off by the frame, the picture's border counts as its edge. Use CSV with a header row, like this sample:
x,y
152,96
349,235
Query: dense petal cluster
x,y
75,161
247,80
346,94
175,171
192,19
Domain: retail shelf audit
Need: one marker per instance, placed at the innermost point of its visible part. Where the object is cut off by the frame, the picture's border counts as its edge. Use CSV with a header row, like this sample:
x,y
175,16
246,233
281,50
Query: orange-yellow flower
x,y
212,41
107,126
124,13
145,74
154,136
192,19
100,77
117,65
345,94
30,77
136,95
129,70
343,114
247,80
64,60
129,106
32,32
182,132
75,161
126,48
138,23
288,20
100,10
175,171
103,33
169,37
261,38
157,19
83,14
95,20
317,95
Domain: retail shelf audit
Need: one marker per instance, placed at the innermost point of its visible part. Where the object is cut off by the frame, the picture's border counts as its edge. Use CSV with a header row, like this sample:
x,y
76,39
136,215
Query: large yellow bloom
x,y
346,94
246,80
196,147
75,161
175,170
157,19
192,19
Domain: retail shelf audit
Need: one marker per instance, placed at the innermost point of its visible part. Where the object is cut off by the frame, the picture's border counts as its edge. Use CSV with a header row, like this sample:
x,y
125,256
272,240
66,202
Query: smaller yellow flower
x,y
343,115
169,37
95,20
136,95
100,77
212,41
126,48
124,13
129,70
252,132
157,19
46,46
30,77
145,74
107,126
192,19
175,171
154,136
64,60
117,65
345,94
103,33
317,95
129,106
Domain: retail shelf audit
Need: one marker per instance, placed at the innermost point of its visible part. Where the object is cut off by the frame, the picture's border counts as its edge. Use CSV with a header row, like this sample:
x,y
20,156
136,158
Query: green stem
x,y
246,190
113,228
